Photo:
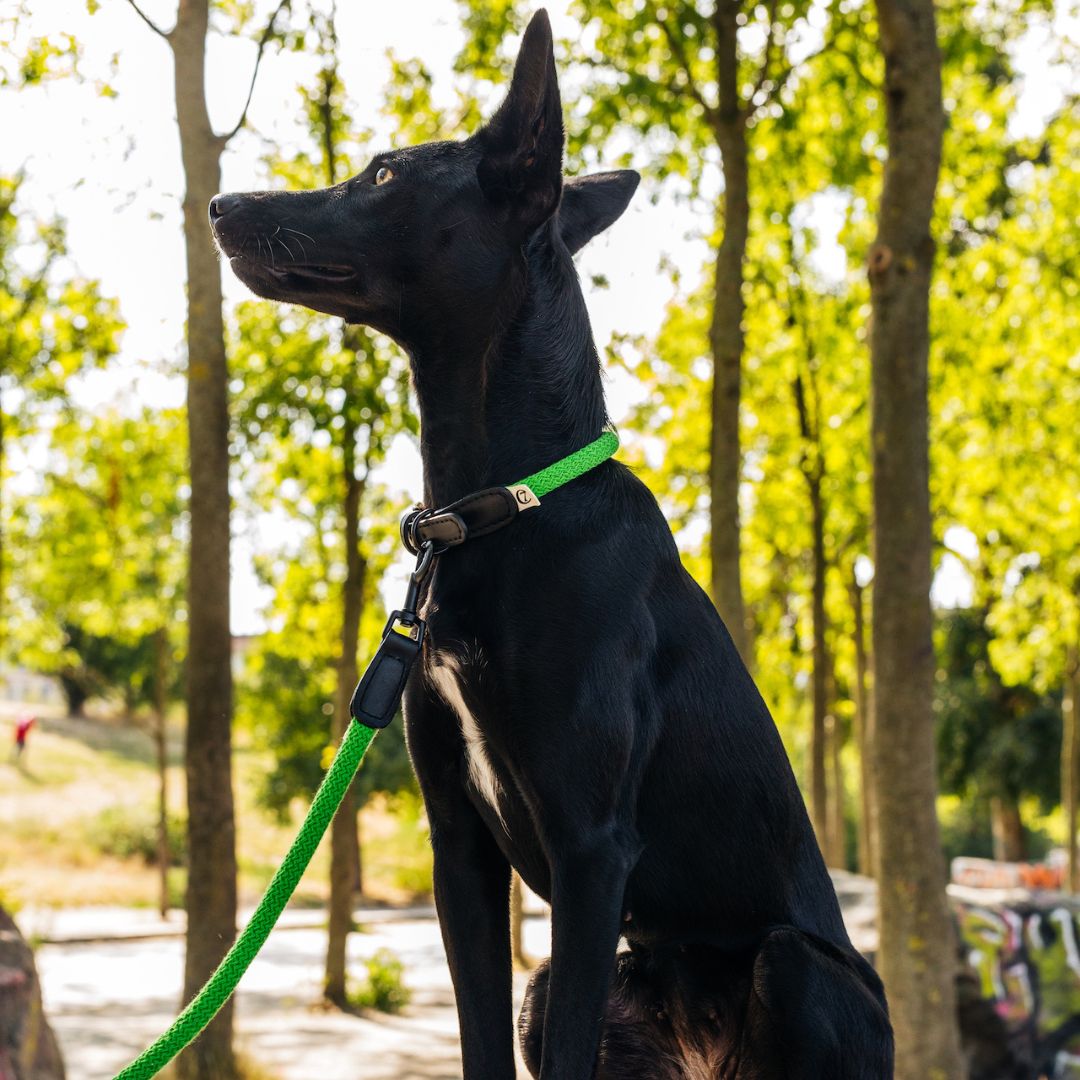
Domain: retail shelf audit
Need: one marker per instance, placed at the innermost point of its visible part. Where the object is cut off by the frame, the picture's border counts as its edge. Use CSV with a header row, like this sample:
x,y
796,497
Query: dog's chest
x,y
456,677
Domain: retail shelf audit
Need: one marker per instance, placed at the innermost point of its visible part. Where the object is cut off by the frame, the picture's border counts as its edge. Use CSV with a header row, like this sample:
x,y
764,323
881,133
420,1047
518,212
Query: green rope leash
x,y
219,987
203,1007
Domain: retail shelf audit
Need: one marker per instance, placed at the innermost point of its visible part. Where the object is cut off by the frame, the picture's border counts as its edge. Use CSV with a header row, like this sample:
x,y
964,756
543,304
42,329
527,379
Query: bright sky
x,y
110,167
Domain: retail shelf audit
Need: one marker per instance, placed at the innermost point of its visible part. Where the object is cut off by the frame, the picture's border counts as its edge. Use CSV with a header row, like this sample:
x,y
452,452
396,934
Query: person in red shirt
x,y
22,730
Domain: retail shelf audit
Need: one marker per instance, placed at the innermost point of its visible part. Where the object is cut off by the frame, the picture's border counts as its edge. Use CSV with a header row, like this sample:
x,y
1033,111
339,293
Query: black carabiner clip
x,y
424,561
378,694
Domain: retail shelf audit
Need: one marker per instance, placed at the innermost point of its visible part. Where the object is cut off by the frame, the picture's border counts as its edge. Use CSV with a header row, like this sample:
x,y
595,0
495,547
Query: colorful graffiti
x,y
1023,961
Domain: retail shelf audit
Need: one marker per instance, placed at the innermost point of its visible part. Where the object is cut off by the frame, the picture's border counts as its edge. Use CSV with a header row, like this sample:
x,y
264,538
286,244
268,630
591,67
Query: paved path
x,y
107,999
111,979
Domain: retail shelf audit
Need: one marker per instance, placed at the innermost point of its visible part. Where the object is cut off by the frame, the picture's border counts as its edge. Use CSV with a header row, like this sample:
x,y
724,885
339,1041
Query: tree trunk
x,y
836,848
863,728
1008,830
358,881
726,336
161,660
75,696
1070,763
917,949
811,464
344,837
819,797
211,889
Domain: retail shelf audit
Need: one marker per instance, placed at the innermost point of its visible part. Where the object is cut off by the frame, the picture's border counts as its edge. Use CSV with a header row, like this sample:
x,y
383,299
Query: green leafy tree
x,y
996,743
916,936
102,542
101,568
1006,449
53,325
291,677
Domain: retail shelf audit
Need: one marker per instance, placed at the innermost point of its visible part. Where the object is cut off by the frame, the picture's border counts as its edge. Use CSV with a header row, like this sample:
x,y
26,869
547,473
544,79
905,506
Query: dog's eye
x,y
384,176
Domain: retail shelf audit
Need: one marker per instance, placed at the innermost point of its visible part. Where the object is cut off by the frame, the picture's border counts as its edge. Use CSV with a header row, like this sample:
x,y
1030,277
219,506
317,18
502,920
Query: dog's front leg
x,y
472,892
472,895
588,883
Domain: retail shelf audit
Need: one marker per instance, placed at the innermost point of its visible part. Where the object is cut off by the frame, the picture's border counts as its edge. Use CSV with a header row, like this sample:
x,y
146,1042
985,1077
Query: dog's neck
x,y
497,406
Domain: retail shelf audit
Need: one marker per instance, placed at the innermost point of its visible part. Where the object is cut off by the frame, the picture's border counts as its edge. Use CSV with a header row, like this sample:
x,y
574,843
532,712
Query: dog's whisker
x,y
301,236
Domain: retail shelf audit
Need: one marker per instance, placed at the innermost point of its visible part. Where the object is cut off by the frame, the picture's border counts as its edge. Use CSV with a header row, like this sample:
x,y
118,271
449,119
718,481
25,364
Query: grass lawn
x,y
77,821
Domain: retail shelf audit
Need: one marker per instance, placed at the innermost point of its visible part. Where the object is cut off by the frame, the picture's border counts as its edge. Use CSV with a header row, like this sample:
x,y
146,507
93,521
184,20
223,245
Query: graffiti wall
x,y
1023,957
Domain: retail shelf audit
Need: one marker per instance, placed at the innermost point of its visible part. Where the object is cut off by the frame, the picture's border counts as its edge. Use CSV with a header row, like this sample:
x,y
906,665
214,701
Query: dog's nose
x,y
220,205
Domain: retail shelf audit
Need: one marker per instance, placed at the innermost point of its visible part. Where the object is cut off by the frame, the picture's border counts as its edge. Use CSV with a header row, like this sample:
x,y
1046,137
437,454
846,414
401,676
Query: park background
x,y
745,252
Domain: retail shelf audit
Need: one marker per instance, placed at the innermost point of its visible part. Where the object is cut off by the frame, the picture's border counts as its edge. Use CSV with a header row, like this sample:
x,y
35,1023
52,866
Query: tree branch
x,y
776,84
264,39
678,50
149,22
766,60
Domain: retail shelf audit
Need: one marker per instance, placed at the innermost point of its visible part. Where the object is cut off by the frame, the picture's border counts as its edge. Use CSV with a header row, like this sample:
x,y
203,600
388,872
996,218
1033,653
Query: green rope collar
x,y
572,466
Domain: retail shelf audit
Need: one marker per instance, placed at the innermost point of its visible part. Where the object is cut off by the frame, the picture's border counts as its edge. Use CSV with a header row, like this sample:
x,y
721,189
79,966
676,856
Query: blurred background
x,y
269,451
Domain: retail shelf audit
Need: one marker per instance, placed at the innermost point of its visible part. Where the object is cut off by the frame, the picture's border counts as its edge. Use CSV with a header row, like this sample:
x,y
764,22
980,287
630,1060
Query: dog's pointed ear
x,y
591,203
522,145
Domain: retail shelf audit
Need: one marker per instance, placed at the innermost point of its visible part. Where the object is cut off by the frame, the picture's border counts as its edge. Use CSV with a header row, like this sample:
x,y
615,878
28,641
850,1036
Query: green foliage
x,y
287,701
51,326
966,830
27,60
383,987
130,832
109,514
993,740
100,664
401,856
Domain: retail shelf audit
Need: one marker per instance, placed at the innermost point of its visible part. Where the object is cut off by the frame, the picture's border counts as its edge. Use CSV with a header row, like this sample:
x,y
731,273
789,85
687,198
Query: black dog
x,y
580,713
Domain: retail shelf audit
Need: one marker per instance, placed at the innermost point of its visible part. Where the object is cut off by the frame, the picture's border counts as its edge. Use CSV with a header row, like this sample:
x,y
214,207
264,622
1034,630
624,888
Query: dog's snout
x,y
220,205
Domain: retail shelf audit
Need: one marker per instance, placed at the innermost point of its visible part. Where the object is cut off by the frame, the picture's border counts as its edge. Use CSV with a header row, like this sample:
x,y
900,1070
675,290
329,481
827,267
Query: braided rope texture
x,y
204,1006
574,465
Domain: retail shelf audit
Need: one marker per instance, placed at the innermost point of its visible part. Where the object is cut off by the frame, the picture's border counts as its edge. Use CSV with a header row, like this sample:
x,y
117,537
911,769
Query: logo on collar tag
x,y
524,497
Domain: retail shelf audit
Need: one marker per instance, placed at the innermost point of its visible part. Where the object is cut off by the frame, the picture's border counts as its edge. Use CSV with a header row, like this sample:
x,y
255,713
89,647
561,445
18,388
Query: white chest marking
x,y
445,676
